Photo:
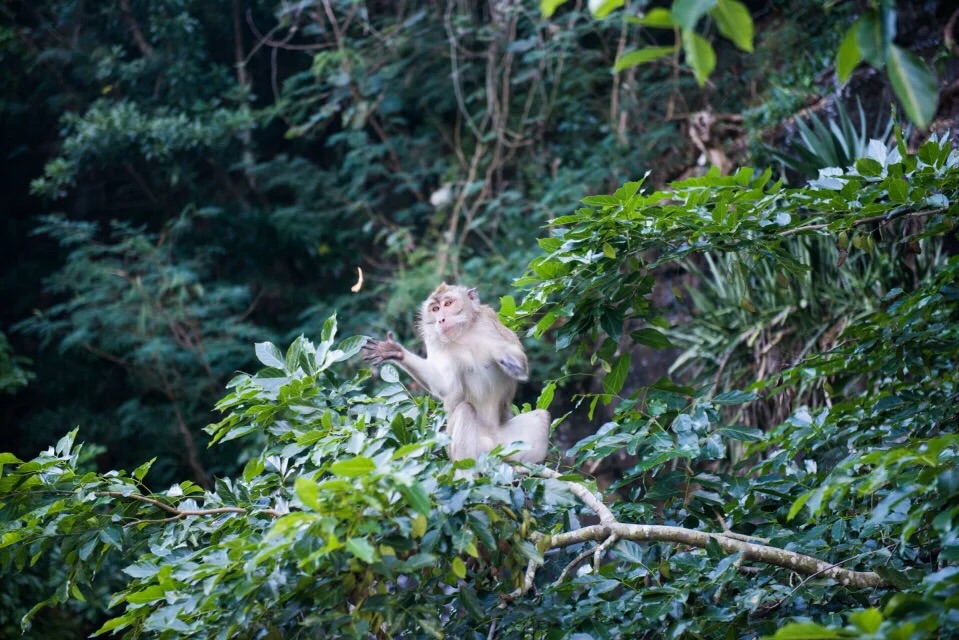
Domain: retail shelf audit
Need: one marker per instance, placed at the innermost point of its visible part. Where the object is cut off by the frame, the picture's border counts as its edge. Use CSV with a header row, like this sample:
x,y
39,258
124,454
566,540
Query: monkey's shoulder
x,y
495,328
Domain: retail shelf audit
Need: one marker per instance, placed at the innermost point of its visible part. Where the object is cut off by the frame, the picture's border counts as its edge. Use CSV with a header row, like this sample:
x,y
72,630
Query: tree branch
x,y
883,218
181,513
145,47
610,530
797,562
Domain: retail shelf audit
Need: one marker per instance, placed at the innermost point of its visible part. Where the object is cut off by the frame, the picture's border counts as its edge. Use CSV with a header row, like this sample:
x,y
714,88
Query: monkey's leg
x,y
531,428
470,438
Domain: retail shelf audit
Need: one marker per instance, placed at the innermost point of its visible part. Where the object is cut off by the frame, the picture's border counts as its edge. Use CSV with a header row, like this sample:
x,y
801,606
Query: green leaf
x,y
602,8
507,307
686,13
269,355
350,347
548,7
115,623
142,470
358,466
614,380
608,251
805,631
459,568
329,329
914,84
308,492
388,373
362,549
741,433
652,338
699,55
898,190
869,168
150,594
848,56
417,497
657,18
734,397
872,39
639,56
734,22
546,397
799,504
867,620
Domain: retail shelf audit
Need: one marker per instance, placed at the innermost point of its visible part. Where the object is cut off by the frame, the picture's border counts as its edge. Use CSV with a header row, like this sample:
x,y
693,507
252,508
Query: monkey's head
x,y
448,312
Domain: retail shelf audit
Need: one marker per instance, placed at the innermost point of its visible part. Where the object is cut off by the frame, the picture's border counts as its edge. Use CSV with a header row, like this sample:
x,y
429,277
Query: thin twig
x,y
883,218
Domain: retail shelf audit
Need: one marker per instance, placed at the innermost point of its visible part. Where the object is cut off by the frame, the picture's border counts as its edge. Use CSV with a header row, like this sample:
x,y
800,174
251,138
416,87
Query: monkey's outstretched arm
x,y
427,375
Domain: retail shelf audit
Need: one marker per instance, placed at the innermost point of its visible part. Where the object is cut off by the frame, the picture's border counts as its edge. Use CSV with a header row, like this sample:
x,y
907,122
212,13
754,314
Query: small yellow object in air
x,y
359,283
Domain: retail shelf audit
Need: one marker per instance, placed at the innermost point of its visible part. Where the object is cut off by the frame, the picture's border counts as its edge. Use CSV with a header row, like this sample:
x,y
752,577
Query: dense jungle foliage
x,y
725,230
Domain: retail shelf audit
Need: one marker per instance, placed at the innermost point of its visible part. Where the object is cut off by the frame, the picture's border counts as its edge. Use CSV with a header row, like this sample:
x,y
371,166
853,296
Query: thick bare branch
x,y
797,562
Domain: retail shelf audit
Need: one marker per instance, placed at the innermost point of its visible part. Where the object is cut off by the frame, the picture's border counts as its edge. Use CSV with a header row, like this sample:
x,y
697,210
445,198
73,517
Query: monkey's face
x,y
448,314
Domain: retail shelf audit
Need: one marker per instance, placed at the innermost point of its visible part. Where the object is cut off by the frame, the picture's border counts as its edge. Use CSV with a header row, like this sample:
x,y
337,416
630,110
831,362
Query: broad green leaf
x,y
459,568
741,433
873,38
546,396
686,13
653,338
362,549
416,497
699,55
639,56
507,307
142,470
848,56
805,631
602,8
115,624
898,190
269,355
388,373
914,84
308,492
150,594
734,397
548,7
609,251
329,329
657,18
358,466
867,620
799,504
734,22
350,347
868,167
614,380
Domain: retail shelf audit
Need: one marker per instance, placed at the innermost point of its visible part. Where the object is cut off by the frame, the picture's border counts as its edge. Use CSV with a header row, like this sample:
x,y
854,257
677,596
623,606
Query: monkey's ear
x,y
472,294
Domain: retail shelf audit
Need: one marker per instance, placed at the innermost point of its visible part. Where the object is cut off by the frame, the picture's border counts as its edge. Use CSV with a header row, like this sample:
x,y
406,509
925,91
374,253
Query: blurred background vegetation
x,y
182,178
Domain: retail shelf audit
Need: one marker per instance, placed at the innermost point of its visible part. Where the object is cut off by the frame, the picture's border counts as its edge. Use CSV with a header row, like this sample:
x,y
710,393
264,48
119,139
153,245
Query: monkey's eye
x,y
435,308
447,303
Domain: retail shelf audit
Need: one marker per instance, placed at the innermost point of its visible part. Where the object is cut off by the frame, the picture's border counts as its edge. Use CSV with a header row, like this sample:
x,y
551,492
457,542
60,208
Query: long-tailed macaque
x,y
472,365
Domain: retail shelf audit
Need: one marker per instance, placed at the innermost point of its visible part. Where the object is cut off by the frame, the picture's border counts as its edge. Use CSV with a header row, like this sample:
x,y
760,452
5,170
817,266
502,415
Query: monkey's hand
x,y
512,367
378,351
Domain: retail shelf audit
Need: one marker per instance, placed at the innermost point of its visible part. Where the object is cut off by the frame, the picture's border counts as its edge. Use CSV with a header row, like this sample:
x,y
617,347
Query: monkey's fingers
x,y
390,337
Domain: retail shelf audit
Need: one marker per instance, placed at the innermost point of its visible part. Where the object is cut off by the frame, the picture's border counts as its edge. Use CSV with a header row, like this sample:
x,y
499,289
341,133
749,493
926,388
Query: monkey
x,y
472,365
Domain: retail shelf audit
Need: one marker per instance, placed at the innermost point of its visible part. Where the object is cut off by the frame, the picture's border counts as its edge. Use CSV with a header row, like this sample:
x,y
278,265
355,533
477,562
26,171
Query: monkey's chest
x,y
477,379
